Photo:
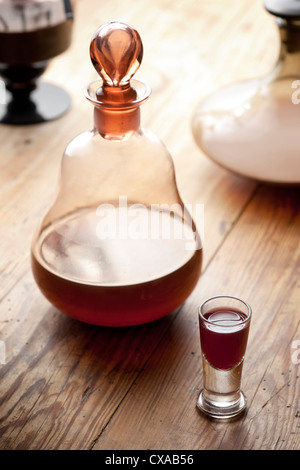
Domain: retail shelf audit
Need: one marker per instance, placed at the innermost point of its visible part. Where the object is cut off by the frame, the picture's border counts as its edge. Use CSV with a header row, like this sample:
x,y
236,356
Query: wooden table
x,y
67,385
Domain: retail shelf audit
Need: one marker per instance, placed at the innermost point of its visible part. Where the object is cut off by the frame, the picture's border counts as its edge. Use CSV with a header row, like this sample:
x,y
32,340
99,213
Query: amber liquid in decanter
x,y
118,247
122,279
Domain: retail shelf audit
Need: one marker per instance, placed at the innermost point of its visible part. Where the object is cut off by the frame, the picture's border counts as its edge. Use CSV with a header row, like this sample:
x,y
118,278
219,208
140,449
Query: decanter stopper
x,y
116,51
289,9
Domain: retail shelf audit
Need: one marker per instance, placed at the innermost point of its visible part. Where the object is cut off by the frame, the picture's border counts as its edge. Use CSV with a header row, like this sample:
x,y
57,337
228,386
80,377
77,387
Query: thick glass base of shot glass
x,y
221,396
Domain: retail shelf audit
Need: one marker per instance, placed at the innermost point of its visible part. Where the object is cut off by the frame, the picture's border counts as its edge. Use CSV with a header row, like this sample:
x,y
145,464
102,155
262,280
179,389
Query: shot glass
x,y
224,323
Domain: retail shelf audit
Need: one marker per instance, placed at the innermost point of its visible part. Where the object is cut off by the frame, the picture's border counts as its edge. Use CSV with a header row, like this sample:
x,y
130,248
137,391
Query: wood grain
x,y
270,379
67,385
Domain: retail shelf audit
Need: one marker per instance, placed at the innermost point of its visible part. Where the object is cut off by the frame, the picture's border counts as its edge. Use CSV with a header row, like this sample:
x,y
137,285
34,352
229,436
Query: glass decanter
x,y
118,247
252,127
31,33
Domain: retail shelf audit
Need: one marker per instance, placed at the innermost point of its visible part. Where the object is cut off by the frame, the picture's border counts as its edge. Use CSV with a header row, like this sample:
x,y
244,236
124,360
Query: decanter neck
x,y
117,125
289,55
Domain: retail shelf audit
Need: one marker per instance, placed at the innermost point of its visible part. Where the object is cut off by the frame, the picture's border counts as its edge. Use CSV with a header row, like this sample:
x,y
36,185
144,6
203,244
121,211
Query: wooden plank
x,y
59,372
65,384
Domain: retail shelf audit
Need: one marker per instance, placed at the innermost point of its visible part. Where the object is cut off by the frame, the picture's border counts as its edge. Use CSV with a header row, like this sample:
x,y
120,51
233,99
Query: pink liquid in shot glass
x,y
224,337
